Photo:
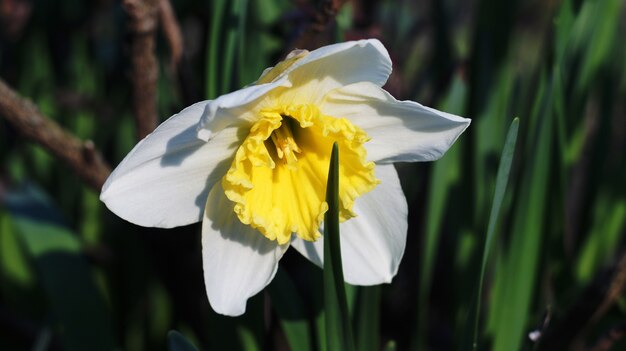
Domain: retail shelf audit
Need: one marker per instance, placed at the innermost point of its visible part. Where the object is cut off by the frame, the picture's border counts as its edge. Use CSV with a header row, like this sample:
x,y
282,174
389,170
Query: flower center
x,y
284,142
277,180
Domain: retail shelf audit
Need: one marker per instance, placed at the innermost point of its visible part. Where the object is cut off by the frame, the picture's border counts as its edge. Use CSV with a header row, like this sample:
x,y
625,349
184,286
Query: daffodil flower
x,y
252,166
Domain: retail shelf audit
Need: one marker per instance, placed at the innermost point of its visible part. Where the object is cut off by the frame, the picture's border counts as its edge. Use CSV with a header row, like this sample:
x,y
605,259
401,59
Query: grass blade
x,y
177,342
65,274
518,270
291,311
502,179
218,9
233,35
390,346
368,318
446,174
338,328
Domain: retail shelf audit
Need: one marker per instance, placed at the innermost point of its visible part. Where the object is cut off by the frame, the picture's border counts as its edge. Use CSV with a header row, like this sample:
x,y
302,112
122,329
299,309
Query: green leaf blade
x,y
338,326
502,180
177,342
291,310
66,276
367,318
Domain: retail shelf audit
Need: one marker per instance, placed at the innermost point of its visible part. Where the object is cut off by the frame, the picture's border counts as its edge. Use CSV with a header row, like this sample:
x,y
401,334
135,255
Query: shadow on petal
x,y
185,144
181,146
220,215
238,261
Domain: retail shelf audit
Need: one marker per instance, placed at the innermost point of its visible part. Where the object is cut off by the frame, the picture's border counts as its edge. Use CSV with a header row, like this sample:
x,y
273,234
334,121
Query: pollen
x,y
277,180
286,147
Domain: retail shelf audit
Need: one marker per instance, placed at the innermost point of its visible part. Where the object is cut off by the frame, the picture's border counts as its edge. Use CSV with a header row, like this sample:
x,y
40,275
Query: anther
x,y
285,143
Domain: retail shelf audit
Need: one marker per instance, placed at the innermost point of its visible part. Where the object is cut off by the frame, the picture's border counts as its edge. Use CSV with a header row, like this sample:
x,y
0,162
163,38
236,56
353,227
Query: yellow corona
x,y
278,177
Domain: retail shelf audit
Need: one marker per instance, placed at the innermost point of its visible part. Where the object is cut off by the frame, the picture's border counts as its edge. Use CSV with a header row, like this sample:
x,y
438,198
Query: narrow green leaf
x,y
218,9
15,269
233,35
338,328
247,339
42,343
65,274
516,280
445,175
604,236
390,346
243,42
250,328
290,310
602,27
177,342
502,179
320,326
367,319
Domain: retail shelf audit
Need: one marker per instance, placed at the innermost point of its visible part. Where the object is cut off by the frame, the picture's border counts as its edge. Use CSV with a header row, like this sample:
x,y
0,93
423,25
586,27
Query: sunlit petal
x,y
164,180
235,109
334,66
401,131
372,244
238,262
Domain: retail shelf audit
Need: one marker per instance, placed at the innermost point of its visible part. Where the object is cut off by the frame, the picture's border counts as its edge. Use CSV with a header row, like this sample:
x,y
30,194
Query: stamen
x,y
285,143
277,178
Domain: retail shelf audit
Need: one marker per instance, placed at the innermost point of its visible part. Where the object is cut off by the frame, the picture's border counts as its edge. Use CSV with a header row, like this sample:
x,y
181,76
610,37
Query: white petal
x,y
165,180
235,108
336,65
308,80
401,131
238,260
372,244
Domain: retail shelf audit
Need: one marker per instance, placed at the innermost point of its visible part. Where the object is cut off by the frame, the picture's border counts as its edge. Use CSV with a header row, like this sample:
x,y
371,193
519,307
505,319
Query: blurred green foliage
x,y
74,276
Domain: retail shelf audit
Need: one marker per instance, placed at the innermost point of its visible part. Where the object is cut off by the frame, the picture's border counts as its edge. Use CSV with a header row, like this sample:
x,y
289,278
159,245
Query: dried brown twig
x,y
592,305
610,338
143,23
81,156
171,30
316,33
327,12
144,16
